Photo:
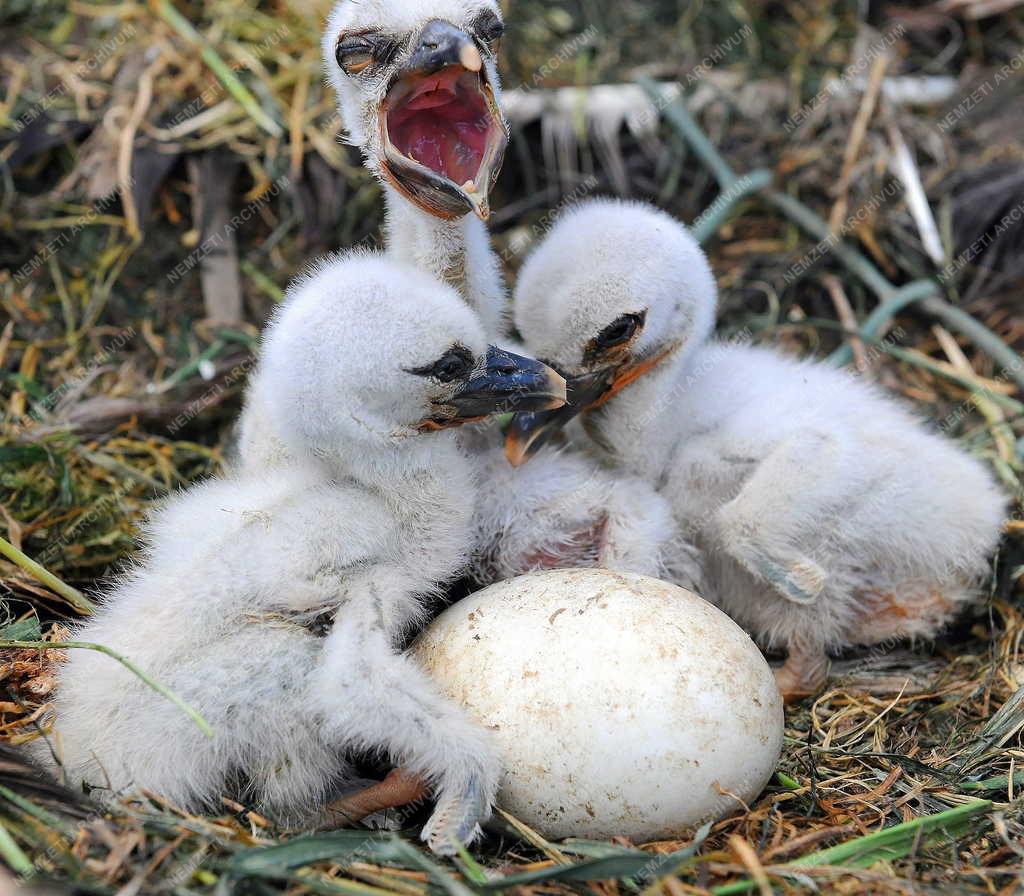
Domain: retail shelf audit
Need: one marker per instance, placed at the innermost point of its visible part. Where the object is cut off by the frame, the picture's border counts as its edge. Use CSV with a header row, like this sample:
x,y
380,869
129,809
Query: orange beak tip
x,y
560,387
470,59
513,455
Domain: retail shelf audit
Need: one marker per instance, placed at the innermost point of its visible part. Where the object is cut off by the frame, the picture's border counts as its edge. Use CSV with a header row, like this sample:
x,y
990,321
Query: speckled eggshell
x,y
619,704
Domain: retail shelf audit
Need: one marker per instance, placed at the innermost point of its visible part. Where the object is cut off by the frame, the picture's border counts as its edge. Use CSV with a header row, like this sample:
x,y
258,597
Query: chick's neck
x,y
455,251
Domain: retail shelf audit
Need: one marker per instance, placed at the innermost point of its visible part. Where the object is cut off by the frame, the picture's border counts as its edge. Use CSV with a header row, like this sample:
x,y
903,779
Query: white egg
x,y
619,704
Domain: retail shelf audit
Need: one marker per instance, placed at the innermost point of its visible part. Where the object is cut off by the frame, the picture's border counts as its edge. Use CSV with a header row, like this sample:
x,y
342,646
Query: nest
x,y
165,171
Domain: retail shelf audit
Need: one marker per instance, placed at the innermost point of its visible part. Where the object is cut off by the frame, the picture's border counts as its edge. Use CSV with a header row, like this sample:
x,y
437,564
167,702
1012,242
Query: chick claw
x,y
456,819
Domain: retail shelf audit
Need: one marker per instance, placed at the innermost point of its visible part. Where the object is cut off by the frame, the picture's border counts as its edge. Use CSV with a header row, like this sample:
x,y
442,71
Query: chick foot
x,y
399,788
457,817
802,675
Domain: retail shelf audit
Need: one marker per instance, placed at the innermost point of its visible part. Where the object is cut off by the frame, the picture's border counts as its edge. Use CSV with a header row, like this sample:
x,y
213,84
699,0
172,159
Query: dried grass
x,y
118,387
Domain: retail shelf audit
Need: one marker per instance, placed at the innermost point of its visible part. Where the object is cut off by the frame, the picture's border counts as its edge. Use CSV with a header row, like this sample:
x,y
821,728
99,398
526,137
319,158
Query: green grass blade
x,y
438,874
26,629
33,811
469,866
1008,719
12,853
787,782
219,67
898,841
72,595
633,864
319,883
336,846
998,783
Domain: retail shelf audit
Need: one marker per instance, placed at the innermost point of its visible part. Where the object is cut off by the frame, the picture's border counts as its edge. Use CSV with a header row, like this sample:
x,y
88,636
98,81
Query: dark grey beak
x,y
442,44
529,430
506,383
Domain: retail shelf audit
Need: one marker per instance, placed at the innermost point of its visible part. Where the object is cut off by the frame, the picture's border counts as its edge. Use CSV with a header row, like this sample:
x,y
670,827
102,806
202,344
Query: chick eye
x,y
489,28
456,363
621,330
451,367
357,52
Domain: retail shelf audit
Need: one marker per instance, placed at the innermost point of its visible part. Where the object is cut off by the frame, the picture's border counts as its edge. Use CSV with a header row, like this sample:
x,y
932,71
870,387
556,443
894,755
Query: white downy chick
x,y
826,514
369,366
422,73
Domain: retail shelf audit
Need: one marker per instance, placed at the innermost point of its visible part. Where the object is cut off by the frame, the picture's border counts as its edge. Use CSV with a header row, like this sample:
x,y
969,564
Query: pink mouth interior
x,y
441,121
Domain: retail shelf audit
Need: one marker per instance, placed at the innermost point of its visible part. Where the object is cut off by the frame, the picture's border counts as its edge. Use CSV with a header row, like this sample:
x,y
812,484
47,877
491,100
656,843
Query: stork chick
x,y
826,514
418,93
369,367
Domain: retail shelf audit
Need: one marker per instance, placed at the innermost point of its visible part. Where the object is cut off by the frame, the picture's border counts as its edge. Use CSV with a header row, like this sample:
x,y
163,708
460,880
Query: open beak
x,y
530,431
505,383
444,135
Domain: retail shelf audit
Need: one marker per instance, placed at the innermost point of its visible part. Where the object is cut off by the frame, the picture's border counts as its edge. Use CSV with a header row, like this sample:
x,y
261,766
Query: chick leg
x,y
375,698
784,516
803,674
399,788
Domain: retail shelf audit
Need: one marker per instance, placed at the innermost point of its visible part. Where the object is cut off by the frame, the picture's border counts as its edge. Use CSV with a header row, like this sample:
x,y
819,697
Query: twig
x,y
534,839
72,595
847,318
857,134
918,359
745,853
905,168
817,227
980,335
895,299
163,691
1002,434
880,317
126,149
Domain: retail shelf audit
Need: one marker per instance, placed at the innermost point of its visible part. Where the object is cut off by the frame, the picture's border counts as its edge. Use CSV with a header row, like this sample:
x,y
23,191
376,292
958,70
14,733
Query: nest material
x,y
120,381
